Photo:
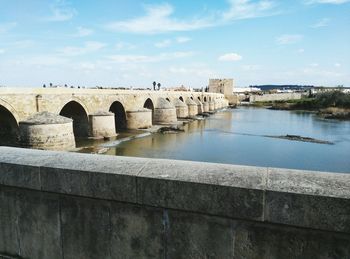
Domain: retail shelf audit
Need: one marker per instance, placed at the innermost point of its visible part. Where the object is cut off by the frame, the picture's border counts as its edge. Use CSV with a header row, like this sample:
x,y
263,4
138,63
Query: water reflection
x,y
237,137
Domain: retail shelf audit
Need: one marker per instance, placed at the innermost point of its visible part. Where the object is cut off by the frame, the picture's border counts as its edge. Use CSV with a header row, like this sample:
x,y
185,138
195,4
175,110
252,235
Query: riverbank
x,y
332,105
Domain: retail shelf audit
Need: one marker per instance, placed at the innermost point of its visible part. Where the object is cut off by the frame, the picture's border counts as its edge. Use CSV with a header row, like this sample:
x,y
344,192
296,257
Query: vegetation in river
x,y
331,105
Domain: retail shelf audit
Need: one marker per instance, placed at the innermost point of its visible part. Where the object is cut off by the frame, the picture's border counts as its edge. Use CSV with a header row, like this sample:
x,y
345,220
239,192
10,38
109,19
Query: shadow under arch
x,y
9,131
180,98
205,98
77,112
149,105
119,115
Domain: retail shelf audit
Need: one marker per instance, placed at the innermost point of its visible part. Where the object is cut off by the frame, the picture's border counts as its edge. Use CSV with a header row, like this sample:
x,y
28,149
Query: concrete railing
x,y
69,205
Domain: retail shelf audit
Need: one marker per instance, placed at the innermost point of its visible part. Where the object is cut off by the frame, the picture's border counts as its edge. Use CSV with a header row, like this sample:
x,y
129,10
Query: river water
x,y
239,136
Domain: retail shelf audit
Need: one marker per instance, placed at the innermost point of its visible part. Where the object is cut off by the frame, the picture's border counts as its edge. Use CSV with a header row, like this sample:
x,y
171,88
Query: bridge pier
x,y
102,125
216,105
192,107
200,109
47,131
211,106
206,107
139,119
181,109
164,113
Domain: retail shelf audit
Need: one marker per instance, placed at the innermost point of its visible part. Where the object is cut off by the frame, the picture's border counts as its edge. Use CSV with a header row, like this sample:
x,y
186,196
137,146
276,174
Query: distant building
x,y
223,86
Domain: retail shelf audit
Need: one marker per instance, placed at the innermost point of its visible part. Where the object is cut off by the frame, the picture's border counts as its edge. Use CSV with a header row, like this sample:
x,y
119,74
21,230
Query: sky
x,y
133,43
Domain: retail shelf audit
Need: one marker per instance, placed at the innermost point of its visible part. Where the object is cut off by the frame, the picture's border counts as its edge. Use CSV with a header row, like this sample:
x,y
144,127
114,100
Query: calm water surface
x,y
238,137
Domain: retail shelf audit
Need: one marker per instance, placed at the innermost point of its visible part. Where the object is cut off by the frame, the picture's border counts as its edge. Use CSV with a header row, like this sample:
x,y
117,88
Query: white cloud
x,y
289,39
326,1
168,42
301,50
230,57
314,65
5,27
124,45
149,58
182,39
83,32
337,65
163,43
159,18
61,11
2,51
88,47
245,9
321,23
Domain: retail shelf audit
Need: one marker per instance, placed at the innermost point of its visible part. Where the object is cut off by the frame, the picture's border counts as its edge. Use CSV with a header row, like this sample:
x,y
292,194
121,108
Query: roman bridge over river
x,y
32,114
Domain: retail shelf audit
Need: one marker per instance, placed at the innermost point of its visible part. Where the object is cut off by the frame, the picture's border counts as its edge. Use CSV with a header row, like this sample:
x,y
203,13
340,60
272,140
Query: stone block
x,y
198,236
309,211
308,199
39,230
207,188
86,228
137,232
89,184
9,240
264,241
15,175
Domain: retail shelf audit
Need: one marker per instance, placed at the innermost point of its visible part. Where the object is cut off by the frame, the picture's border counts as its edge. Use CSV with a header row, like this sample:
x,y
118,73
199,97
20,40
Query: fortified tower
x,y
223,86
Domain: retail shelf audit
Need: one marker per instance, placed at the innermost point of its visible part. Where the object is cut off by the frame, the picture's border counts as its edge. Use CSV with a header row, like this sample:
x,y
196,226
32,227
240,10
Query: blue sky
x,y
133,43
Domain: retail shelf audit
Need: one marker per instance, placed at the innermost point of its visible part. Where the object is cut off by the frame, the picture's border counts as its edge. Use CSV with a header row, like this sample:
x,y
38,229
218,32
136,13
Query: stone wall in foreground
x,y
69,205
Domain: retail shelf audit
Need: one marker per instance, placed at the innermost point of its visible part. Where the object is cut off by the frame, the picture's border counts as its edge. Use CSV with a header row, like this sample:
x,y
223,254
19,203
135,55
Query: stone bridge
x,y
94,112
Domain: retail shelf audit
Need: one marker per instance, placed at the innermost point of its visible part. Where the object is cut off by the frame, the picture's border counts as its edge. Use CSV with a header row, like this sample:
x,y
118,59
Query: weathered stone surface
x,y
39,231
50,136
102,125
46,118
211,106
181,109
137,232
24,102
308,182
205,106
88,206
198,236
192,107
86,228
308,199
89,184
310,211
20,176
208,188
264,241
9,240
139,119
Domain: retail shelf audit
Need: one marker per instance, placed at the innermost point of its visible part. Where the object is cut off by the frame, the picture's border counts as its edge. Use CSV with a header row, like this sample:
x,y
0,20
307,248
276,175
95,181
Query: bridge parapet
x,y
95,206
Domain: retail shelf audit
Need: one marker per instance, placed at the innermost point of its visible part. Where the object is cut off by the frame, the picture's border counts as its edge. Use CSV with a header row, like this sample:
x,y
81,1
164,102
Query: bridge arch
x,y
205,98
181,98
149,105
9,131
119,115
75,110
